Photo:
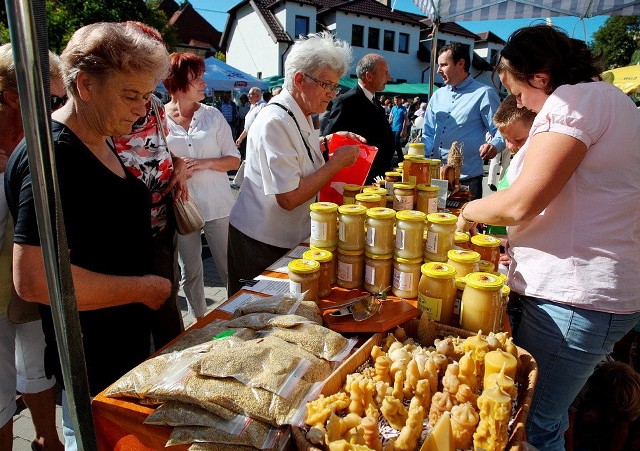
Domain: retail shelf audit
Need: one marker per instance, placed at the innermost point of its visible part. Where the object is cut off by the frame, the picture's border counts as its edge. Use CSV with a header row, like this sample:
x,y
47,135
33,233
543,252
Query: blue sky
x,y
215,11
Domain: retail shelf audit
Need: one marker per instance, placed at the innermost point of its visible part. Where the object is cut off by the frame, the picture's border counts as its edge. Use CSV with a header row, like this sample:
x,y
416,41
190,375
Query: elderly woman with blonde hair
x,y
109,71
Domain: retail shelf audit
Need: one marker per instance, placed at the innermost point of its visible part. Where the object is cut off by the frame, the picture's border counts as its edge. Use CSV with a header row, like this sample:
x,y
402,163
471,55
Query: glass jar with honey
x,y
324,224
403,196
488,247
377,272
427,198
464,261
409,234
304,275
415,149
481,303
440,230
406,276
349,192
324,258
333,263
382,192
461,239
369,200
419,172
379,231
390,178
350,268
351,227
436,164
437,292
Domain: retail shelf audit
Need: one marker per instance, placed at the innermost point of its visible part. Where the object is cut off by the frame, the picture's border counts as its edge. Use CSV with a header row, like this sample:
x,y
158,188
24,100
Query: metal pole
x,y
30,55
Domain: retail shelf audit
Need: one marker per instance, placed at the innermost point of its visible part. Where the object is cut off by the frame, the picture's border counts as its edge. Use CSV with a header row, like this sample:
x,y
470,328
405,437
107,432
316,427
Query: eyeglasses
x,y
329,87
57,101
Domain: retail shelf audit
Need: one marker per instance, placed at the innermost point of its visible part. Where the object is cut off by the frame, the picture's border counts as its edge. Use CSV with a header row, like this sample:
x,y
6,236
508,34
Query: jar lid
x,y
368,197
374,190
410,215
429,188
400,164
409,261
323,207
416,144
505,290
442,218
485,266
420,160
412,157
346,252
378,257
401,185
436,161
461,237
317,255
351,187
330,249
499,275
484,281
392,174
438,270
485,240
352,209
302,266
463,256
381,213
460,283
399,170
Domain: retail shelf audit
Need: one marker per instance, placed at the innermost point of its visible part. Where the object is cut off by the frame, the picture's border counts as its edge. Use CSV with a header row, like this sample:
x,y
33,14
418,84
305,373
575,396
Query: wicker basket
x,y
526,378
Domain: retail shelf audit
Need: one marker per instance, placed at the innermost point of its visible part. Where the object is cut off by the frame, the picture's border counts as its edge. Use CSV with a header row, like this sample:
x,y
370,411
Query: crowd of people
x,y
570,200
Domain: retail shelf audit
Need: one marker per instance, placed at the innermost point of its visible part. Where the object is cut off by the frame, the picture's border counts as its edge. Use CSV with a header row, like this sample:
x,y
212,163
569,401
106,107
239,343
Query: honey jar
x,y
434,170
333,263
304,275
427,198
416,149
406,167
481,303
461,239
485,266
369,200
440,230
350,269
403,196
351,227
488,247
349,192
377,272
324,224
409,234
461,282
406,276
379,231
419,172
324,258
464,261
389,179
382,192
437,292
504,299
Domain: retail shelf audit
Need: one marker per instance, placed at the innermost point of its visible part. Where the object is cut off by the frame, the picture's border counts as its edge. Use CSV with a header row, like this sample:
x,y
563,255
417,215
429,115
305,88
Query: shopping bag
x,y
356,174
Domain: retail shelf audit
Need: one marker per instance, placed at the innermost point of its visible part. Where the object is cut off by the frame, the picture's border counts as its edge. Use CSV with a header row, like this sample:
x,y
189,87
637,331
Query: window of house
x,y
357,35
494,57
389,40
403,43
374,38
302,26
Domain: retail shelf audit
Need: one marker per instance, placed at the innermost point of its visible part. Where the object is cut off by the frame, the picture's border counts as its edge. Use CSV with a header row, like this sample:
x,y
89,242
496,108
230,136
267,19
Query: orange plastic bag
x,y
356,174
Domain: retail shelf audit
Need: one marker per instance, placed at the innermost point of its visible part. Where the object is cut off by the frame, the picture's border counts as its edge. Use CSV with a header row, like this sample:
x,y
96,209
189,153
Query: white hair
x,y
314,53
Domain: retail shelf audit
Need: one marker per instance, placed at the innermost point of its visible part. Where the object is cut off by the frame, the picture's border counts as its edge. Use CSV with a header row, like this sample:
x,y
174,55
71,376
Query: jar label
x,y
295,287
342,231
400,237
371,236
432,205
319,230
431,306
369,274
402,202
431,243
402,280
345,271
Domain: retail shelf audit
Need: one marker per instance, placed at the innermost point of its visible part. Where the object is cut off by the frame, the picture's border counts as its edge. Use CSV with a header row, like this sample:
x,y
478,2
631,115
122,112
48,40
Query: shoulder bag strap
x,y
290,113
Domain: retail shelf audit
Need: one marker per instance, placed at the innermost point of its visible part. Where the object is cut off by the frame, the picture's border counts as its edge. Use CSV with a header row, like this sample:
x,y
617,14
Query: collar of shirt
x,y
370,95
462,85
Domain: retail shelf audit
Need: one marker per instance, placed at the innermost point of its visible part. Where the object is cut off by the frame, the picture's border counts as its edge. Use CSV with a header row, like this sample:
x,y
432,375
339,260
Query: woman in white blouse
x,y
200,134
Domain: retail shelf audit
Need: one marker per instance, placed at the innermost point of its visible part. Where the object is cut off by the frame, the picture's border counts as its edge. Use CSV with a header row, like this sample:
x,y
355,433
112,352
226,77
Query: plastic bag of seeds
x,y
258,321
211,331
182,414
318,340
279,304
256,434
232,395
256,363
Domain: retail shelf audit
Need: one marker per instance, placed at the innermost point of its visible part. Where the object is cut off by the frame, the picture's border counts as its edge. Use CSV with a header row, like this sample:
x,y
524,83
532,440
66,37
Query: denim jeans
x,y
567,343
67,426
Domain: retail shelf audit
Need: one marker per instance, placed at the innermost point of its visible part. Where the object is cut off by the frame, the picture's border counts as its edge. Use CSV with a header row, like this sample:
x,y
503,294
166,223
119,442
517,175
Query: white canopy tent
x,y
477,10
222,77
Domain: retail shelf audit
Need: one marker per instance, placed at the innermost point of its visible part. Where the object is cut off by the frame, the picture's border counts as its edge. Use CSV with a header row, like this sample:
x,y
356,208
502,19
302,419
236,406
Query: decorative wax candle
x,y
494,361
506,383
495,411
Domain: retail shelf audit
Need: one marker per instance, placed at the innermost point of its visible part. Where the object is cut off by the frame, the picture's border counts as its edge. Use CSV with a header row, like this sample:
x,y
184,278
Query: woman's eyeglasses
x,y
329,87
57,101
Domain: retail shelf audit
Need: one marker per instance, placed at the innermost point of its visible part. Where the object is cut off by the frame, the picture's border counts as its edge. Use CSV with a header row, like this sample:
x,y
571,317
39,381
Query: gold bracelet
x,y
462,213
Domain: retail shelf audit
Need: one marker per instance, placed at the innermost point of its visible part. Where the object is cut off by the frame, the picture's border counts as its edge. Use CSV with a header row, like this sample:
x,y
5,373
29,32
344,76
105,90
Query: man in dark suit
x,y
358,111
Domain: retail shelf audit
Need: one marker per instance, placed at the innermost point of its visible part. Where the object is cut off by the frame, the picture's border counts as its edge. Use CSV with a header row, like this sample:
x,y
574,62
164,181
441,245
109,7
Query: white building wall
x,y
250,47
405,66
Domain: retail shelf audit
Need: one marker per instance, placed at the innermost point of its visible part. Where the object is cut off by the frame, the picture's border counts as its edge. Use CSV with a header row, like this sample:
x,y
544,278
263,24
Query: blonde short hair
x,y
102,49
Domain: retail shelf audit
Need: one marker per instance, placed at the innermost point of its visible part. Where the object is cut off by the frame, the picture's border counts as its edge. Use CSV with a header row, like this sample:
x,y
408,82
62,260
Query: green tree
x,y
618,39
66,16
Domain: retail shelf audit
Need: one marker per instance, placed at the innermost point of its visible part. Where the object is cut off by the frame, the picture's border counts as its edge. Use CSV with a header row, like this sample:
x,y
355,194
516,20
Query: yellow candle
x,y
478,347
495,410
495,361
506,383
